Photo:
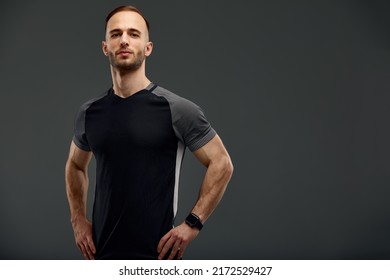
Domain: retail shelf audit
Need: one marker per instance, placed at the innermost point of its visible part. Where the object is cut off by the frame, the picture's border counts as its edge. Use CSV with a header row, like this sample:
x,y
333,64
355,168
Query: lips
x,y
124,52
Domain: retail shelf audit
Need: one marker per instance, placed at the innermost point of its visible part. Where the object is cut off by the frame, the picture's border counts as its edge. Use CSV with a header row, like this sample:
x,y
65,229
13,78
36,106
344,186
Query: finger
x,y
175,250
162,242
91,246
89,252
168,245
82,250
86,249
180,254
165,250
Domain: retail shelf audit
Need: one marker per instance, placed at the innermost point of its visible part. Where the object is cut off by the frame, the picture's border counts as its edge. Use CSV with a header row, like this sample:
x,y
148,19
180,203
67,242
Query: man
x,y
138,132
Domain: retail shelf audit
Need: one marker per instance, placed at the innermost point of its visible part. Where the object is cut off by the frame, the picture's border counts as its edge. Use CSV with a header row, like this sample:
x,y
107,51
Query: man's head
x,y
126,8
127,38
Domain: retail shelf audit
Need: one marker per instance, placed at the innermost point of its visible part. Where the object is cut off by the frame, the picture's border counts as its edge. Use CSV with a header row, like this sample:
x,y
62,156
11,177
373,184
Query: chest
x,y
140,124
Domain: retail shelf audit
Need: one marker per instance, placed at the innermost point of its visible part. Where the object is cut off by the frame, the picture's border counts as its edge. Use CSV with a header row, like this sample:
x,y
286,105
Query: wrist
x,y
76,217
194,221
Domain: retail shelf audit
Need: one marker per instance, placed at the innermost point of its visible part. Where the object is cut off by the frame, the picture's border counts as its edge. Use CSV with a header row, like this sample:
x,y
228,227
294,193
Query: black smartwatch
x,y
193,221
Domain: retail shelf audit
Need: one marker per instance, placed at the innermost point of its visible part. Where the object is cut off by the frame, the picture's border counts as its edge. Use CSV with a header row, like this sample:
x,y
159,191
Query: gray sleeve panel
x,y
80,137
189,121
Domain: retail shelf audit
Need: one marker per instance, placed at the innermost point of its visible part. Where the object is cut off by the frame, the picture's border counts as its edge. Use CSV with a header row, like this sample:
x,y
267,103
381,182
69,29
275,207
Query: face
x,y
127,41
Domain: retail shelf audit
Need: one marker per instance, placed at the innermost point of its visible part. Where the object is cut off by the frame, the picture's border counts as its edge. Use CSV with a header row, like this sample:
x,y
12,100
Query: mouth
x,y
124,52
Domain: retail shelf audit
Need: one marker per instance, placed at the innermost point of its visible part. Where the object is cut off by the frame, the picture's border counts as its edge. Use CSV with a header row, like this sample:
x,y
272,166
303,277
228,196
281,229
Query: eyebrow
x,y
120,30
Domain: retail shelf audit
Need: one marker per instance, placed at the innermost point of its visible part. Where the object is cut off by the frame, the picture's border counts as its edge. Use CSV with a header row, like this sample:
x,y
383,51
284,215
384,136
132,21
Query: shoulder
x,y
83,109
86,105
96,99
189,121
177,103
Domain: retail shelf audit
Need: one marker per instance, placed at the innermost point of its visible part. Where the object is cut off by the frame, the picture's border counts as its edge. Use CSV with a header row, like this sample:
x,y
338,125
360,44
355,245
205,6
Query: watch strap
x,y
193,221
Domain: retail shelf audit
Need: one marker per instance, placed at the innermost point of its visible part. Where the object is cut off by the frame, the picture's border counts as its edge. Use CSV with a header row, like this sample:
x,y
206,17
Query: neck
x,y
126,83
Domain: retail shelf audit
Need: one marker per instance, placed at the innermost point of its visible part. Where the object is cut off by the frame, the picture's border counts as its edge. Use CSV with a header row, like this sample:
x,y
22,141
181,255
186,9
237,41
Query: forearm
x,y
214,156
76,189
216,179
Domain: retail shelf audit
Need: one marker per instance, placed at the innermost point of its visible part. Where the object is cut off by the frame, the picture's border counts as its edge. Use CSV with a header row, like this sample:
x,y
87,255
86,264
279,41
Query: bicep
x,y
78,158
214,150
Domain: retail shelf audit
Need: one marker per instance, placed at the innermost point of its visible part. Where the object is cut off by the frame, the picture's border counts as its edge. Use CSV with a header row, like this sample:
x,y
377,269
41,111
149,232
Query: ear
x,y
148,48
104,48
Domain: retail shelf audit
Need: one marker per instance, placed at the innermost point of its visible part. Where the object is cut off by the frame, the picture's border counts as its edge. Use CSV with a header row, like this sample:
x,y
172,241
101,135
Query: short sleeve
x,y
80,137
191,123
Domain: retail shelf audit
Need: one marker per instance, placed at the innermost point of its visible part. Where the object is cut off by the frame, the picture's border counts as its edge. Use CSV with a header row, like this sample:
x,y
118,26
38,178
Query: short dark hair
x,y
126,8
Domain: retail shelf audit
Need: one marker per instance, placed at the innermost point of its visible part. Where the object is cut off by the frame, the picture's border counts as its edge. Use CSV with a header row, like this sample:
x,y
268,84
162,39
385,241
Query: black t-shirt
x,y
138,143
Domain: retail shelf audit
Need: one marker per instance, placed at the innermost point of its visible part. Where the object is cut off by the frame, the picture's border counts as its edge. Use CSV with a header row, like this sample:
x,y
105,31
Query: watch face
x,y
192,220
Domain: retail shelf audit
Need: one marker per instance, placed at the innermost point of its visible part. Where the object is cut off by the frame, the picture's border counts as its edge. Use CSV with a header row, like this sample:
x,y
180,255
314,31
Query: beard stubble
x,y
125,65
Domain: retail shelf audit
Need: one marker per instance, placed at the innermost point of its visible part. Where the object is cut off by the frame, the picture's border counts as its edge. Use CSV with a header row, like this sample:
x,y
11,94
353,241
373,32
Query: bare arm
x,y
219,171
214,156
76,177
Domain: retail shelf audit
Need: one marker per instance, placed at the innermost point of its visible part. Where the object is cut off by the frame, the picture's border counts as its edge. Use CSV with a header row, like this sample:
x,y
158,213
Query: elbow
x,y
227,167
230,168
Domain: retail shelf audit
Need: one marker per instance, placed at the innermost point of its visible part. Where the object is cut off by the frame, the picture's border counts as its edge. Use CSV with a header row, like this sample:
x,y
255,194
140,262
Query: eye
x,y
115,35
134,35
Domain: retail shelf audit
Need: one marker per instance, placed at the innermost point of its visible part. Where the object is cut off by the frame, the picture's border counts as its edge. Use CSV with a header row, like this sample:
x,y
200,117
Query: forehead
x,y
126,20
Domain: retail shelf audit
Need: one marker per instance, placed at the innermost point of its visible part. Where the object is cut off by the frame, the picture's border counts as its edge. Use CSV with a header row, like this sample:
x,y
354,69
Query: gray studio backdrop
x,y
298,91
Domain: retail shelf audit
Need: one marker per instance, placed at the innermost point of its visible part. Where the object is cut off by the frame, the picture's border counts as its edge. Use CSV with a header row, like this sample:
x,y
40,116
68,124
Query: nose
x,y
124,40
